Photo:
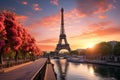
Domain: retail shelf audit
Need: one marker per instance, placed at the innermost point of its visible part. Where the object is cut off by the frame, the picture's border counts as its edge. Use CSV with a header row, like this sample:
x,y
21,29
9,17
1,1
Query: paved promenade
x,y
26,72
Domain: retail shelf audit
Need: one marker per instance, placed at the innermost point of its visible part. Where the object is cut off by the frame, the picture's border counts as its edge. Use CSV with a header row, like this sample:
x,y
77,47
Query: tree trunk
x,y
24,56
16,56
1,56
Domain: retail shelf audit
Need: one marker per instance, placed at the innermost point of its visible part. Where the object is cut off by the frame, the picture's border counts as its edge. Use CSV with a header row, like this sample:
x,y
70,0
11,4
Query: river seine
x,y
81,71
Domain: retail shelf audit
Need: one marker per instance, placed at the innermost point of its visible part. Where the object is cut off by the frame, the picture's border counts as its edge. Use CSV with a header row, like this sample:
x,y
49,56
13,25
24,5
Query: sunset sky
x,y
87,22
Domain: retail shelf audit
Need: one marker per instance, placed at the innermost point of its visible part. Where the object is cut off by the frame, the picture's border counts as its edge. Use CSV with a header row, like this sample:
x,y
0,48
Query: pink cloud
x,y
54,2
89,7
24,2
55,19
100,29
114,1
74,13
100,25
36,7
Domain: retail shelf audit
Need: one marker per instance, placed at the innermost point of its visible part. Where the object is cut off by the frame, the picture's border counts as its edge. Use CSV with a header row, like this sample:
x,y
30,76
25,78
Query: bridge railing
x,y
39,75
50,73
46,72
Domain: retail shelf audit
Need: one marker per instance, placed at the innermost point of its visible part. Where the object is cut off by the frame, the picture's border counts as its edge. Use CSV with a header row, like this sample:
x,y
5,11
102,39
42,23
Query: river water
x,y
81,71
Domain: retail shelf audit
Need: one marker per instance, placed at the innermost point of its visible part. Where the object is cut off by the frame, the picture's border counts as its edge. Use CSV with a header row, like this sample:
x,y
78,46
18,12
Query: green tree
x,y
117,49
74,52
103,49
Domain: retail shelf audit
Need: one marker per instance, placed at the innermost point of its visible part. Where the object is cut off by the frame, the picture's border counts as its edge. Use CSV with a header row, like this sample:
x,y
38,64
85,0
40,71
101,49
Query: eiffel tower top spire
x,y
62,31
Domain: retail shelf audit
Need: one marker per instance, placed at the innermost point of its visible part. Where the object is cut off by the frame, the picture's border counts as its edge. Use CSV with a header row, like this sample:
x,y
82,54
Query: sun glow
x,y
91,45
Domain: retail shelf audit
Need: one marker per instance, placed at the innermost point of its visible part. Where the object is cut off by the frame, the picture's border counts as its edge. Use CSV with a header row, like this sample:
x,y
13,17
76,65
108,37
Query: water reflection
x,y
62,66
81,71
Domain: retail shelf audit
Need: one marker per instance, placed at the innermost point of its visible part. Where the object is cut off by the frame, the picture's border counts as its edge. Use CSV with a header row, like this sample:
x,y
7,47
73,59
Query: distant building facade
x,y
113,43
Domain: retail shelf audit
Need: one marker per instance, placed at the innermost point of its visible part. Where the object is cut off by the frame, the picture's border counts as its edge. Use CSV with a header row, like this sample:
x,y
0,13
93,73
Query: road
x,y
25,72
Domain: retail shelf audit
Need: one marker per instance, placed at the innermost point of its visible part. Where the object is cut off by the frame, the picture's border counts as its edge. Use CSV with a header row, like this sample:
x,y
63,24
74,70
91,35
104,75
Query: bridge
x,y
41,69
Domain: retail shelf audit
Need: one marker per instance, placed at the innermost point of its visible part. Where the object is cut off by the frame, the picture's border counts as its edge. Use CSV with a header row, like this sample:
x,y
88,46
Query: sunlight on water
x,y
81,71
91,70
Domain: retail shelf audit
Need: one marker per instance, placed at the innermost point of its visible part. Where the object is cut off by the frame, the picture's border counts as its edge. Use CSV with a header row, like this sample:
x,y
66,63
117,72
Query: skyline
x,y
86,22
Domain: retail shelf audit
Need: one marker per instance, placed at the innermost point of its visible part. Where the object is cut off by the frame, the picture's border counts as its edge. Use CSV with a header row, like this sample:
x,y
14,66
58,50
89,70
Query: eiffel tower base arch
x,y
62,46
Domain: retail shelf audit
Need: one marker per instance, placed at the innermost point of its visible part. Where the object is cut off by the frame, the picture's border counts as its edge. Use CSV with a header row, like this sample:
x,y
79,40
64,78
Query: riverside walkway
x,y
26,72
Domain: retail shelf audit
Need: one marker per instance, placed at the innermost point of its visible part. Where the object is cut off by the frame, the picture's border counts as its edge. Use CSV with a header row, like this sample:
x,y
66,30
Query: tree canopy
x,y
13,36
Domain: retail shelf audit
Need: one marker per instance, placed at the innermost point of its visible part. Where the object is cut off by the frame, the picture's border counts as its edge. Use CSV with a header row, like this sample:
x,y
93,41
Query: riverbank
x,y
78,60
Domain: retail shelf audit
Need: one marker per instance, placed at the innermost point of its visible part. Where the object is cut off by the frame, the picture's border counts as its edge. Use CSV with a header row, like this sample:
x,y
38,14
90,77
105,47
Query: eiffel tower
x,y
62,36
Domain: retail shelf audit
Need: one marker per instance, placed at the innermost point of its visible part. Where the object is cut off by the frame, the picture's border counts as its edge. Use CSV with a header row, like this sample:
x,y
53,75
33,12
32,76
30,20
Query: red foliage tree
x,y
14,36
2,36
11,26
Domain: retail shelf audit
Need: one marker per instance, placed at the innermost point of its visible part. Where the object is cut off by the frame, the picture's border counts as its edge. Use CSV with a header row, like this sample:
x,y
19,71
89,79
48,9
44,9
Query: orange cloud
x,y
104,32
47,47
24,2
54,2
22,18
99,33
36,7
46,44
48,21
102,16
52,40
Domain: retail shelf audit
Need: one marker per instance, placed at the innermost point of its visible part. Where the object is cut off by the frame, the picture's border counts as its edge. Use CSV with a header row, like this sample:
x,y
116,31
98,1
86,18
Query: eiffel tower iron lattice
x,y
62,36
